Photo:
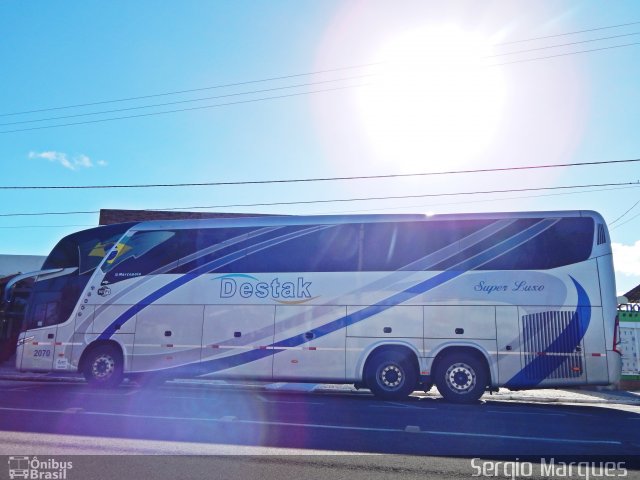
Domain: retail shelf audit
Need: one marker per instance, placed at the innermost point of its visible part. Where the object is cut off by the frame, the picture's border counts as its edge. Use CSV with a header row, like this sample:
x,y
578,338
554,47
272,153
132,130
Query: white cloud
x,y
71,162
83,161
626,258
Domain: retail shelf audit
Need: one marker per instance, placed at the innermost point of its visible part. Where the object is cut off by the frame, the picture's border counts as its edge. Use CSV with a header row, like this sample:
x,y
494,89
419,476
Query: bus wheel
x,y
391,375
103,367
461,377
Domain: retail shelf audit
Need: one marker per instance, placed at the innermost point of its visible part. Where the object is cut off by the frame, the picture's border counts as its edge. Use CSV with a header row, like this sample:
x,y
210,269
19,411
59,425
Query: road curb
x,y
591,401
37,378
516,398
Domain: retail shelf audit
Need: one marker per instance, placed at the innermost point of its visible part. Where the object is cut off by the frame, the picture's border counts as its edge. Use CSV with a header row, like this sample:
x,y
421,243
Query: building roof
x,y
111,216
633,295
12,264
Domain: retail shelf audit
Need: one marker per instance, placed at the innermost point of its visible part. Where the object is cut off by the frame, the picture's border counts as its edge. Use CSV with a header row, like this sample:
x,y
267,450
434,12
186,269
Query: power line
x,y
340,212
239,102
166,112
321,179
562,45
402,197
286,77
342,200
45,226
622,216
561,55
213,87
476,200
565,34
627,221
253,92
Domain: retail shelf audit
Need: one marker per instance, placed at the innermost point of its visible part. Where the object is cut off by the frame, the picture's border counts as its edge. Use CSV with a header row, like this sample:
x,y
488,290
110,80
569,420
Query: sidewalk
x,y
9,372
593,395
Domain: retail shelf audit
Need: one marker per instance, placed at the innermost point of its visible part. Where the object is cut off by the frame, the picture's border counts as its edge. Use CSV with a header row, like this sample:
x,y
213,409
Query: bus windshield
x,y
52,300
85,250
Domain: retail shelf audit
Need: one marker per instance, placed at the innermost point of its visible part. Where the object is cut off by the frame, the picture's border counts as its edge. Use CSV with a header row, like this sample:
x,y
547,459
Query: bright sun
x,y
435,103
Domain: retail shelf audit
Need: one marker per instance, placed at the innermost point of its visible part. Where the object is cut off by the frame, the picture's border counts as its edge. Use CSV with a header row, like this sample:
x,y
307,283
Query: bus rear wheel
x,y
391,375
461,377
103,367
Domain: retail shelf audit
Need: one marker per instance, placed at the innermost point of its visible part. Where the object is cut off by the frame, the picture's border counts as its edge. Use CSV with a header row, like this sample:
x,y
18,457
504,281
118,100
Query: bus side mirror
x,y
622,300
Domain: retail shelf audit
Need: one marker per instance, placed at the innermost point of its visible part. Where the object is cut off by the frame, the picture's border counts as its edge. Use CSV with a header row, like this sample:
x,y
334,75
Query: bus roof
x,y
342,219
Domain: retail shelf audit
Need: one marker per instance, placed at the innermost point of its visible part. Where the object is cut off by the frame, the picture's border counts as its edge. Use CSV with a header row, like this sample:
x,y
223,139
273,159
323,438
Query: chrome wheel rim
x,y
391,377
461,378
103,367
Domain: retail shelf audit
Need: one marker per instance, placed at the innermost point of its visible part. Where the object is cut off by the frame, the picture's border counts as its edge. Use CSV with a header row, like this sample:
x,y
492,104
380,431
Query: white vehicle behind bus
x,y
393,303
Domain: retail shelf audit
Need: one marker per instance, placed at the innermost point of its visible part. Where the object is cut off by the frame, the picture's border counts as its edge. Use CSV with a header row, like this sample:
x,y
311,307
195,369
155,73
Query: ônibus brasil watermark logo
x,y
246,286
33,468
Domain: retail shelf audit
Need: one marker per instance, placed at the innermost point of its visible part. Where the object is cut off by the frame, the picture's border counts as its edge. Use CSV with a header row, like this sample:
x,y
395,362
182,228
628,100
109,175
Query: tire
x,y
461,377
103,367
391,375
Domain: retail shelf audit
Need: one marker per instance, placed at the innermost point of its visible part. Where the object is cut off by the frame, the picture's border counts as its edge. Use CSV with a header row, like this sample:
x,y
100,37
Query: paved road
x,y
263,467
343,422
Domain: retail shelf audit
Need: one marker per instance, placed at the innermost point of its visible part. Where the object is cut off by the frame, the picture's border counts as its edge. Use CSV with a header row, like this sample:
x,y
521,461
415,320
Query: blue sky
x,y
433,100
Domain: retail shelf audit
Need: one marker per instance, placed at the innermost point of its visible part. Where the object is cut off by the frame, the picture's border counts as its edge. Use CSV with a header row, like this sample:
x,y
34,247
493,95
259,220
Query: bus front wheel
x,y
391,375
461,377
103,367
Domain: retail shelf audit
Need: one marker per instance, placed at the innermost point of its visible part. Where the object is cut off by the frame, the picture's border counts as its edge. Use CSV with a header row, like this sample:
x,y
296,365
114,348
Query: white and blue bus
x,y
393,303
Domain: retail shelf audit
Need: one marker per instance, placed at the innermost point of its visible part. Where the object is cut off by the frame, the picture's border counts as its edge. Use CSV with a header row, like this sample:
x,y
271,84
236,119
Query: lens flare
x,y
434,102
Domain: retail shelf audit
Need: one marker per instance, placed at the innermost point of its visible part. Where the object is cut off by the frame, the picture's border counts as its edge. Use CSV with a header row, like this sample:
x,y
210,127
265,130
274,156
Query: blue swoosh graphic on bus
x,y
218,364
214,365
372,310
543,366
192,275
236,275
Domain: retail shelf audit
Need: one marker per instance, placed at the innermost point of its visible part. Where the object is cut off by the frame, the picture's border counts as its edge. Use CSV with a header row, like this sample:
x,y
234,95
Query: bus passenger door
x,y
309,343
38,348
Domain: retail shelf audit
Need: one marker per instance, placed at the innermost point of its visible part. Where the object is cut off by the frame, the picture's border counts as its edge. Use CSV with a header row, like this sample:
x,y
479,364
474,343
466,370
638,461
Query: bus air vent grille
x,y
602,236
552,335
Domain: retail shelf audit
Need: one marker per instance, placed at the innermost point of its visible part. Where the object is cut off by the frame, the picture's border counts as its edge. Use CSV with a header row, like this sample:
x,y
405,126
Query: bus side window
x,y
307,248
392,246
214,248
143,253
45,314
568,241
